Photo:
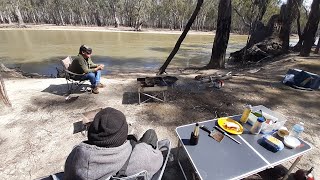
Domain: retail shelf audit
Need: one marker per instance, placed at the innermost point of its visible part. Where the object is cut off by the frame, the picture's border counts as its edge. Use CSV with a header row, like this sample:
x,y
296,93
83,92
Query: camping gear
x,y
73,79
216,135
154,87
271,143
302,79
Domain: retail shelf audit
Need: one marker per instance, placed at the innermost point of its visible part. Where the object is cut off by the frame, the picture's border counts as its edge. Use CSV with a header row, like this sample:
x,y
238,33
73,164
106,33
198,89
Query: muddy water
x,y
40,50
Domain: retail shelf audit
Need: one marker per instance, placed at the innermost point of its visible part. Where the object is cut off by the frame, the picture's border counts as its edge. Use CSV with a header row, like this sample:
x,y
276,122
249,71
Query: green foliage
x,y
172,14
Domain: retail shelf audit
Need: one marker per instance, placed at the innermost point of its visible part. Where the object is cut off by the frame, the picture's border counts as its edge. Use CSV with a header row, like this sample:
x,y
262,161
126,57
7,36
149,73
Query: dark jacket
x,y
80,65
92,162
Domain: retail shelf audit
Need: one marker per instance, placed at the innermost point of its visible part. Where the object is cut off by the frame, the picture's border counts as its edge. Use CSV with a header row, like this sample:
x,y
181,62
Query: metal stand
x,y
178,159
146,91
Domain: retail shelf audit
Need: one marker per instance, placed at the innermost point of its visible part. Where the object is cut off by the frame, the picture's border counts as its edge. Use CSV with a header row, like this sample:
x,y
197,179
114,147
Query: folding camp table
x,y
228,159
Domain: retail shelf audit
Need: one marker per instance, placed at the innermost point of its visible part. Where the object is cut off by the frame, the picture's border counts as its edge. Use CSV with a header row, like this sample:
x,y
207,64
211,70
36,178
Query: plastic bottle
x,y
194,138
257,126
297,129
245,114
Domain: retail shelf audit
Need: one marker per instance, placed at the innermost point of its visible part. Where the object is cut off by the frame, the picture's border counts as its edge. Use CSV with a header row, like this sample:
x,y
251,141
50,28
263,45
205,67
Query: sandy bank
x,y
101,29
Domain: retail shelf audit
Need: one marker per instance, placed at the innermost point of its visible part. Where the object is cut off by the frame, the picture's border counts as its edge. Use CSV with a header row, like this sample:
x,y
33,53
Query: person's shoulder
x,y
77,58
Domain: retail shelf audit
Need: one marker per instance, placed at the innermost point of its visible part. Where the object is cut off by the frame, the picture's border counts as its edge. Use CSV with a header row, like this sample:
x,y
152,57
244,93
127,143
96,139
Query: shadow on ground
x,y
62,89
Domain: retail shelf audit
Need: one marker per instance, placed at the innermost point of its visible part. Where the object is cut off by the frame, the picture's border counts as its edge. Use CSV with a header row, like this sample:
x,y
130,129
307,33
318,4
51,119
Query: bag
x,y
303,79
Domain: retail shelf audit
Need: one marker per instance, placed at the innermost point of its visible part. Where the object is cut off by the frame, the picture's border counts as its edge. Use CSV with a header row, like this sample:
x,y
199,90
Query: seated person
x,y
107,150
83,64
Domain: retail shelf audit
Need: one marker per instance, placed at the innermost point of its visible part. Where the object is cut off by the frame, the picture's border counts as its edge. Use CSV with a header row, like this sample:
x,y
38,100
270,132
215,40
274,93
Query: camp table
x,y
229,160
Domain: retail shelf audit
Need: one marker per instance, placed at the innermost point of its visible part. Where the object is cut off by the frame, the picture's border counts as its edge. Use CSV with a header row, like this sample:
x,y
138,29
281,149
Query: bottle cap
x,y
261,119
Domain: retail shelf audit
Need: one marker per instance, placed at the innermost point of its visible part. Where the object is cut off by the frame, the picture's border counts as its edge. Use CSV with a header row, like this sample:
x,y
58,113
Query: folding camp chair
x,y
163,145
73,79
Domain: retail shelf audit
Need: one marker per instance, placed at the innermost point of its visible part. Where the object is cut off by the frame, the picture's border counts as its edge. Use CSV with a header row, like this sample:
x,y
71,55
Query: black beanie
x,y
108,129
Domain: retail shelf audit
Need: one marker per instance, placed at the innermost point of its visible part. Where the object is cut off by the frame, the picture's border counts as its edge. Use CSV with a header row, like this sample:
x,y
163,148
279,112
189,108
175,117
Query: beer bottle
x,y
195,135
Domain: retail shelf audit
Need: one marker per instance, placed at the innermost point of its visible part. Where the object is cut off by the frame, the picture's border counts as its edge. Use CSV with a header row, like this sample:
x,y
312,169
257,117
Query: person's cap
x,y
108,129
85,48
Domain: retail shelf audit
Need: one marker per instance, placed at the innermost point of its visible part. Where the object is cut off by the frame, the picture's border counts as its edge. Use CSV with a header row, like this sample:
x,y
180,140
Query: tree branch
x,y
243,19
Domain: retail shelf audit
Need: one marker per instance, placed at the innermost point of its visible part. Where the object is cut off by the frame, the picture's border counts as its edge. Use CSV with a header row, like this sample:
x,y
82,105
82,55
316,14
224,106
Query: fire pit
x,y
153,87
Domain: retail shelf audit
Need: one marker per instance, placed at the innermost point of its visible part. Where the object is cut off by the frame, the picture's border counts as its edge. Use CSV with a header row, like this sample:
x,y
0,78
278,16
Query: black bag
x,y
303,79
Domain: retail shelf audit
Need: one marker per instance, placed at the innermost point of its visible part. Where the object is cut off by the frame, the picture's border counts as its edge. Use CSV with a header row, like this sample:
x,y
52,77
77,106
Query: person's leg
x,y
91,77
98,77
150,137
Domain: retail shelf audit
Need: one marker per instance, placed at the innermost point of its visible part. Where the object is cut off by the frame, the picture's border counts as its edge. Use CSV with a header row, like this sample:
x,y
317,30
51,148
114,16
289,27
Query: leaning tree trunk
x,y
311,28
3,93
181,38
221,38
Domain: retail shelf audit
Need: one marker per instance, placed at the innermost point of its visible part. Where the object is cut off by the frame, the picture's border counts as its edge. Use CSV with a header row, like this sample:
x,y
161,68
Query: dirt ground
x,y
41,128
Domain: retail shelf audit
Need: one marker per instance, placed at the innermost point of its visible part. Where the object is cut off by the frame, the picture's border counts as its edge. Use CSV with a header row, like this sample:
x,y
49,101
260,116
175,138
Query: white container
x,y
278,120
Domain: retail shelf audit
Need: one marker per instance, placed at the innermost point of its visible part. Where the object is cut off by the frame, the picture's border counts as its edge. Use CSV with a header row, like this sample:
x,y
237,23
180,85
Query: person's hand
x,y
101,66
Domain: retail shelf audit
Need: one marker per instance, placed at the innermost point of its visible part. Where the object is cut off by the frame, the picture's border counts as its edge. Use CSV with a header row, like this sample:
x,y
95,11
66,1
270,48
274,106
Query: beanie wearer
x,y
108,129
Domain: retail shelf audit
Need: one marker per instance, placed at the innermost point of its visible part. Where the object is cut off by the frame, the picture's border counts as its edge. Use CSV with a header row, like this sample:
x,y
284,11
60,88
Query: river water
x,y
39,51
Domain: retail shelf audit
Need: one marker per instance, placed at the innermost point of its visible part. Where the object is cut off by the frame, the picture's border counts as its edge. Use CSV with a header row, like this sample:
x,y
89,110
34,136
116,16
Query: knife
x,y
226,134
216,135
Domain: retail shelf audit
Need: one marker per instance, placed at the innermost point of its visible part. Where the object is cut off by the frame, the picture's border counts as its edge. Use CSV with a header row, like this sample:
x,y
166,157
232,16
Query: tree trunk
x,y
221,38
61,17
311,28
318,46
18,14
3,93
181,38
1,18
288,14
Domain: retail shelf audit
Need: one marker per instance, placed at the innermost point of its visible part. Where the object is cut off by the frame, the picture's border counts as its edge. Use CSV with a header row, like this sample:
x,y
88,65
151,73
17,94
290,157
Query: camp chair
x,y
73,79
163,145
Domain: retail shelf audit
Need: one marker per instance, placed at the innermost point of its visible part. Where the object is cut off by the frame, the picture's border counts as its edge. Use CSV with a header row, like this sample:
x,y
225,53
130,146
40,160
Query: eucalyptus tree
x,y
221,38
311,28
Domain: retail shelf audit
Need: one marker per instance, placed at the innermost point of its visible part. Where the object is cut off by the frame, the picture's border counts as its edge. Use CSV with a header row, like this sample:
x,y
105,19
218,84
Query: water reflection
x,y
40,50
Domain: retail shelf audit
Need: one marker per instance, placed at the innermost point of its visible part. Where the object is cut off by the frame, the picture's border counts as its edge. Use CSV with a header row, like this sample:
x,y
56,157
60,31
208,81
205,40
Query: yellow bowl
x,y
222,123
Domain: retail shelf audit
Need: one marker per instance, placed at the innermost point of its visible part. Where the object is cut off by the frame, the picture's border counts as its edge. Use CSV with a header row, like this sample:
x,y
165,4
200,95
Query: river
x,y
39,51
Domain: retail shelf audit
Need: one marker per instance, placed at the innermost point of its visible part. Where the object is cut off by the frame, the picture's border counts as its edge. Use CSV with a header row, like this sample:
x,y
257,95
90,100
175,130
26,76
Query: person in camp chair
x,y
83,64
110,151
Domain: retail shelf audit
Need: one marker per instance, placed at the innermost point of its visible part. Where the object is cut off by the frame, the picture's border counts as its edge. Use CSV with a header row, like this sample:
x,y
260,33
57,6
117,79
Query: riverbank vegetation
x,y
137,13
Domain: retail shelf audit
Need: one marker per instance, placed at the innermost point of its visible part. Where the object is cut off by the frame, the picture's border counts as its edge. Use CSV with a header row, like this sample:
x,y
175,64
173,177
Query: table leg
x,y
178,160
291,168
